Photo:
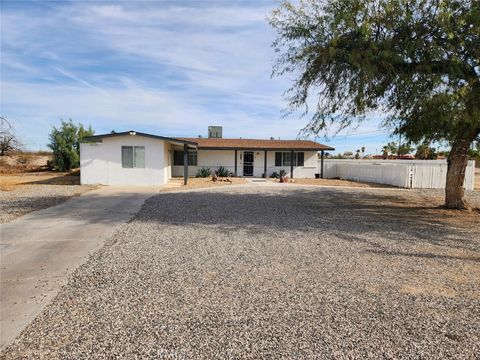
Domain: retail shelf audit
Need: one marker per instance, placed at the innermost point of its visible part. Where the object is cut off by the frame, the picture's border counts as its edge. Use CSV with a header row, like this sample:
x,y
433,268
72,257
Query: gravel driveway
x,y
273,272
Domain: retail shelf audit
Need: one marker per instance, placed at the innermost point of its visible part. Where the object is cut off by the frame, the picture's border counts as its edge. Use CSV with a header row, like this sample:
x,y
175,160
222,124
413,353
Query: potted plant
x,y
317,176
282,174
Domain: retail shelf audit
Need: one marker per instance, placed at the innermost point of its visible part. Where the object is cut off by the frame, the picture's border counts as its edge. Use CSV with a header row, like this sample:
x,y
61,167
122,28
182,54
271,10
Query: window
x,y
284,158
178,158
133,156
192,158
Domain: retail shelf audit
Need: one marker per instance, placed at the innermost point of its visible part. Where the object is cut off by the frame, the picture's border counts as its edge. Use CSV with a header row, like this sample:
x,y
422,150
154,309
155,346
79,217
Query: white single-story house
x,y
135,158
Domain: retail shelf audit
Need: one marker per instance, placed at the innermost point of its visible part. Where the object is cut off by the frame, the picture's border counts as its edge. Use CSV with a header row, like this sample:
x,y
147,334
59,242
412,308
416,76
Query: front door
x,y
248,163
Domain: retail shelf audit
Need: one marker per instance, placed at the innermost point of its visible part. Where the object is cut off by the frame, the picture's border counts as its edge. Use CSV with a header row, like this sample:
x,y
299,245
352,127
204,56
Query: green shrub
x,y
274,175
282,173
222,172
203,172
65,144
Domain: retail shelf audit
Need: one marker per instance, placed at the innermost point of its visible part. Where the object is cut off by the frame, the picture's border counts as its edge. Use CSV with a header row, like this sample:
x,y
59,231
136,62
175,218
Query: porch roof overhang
x,y
262,148
181,142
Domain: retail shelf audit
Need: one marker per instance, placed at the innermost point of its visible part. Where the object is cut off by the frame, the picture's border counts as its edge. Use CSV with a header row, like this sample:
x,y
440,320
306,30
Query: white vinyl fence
x,y
426,174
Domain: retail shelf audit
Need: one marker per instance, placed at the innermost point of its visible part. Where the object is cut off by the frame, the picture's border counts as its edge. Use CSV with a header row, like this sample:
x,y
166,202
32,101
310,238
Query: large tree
x,y
65,144
415,60
9,142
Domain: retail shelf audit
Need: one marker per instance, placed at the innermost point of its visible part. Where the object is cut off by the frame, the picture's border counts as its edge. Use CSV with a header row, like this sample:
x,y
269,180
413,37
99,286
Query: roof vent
x,y
215,132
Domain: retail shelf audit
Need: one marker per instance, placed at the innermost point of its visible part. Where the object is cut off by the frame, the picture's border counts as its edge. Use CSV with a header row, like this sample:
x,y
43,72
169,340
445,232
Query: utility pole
x,y
399,144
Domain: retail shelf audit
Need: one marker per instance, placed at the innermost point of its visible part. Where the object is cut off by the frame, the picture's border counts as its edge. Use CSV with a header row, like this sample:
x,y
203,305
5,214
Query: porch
x,y
247,163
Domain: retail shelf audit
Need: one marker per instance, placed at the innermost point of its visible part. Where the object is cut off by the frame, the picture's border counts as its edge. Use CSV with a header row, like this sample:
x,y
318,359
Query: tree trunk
x,y
457,164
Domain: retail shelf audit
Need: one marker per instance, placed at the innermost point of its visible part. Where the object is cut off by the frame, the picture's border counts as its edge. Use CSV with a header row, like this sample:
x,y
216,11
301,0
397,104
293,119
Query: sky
x,y
161,67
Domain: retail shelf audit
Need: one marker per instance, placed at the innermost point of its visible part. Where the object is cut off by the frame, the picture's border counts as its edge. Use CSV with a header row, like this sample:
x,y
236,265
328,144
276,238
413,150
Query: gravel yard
x,y
274,272
26,198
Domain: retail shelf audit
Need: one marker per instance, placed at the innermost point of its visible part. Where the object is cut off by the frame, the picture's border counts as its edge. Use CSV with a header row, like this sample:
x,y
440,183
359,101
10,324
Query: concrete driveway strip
x,y
40,250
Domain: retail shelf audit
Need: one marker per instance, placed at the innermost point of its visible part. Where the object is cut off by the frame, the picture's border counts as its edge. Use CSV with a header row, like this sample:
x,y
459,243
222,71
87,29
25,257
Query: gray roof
x,y
99,138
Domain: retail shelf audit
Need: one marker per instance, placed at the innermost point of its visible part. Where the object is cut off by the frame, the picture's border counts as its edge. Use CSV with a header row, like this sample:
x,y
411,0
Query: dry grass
x,y
24,162
198,183
9,182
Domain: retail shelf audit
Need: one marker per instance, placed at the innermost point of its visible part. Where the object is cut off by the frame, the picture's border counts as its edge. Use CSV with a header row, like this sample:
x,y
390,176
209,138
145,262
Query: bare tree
x,y
9,142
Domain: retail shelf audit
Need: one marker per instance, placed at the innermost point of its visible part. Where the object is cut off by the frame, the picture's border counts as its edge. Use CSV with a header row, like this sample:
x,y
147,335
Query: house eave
x,y
99,138
263,149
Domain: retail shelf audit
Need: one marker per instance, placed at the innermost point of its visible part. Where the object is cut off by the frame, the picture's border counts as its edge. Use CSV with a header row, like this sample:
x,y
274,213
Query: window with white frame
x,y
284,158
133,156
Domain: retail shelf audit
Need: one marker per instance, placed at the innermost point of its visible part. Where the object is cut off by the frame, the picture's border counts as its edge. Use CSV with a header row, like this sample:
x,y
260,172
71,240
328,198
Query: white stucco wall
x,y
212,159
101,163
226,158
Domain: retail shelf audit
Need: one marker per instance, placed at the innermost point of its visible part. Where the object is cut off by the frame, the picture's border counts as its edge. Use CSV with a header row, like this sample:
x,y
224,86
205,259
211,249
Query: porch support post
x,y
265,165
321,165
185,164
236,160
291,164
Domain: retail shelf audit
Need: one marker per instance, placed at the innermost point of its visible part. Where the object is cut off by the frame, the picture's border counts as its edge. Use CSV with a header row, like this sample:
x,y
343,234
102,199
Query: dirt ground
x,y
9,182
333,182
24,162
176,183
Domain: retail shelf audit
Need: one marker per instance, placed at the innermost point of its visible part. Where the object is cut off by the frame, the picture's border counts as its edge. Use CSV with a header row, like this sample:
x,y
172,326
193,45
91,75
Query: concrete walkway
x,y
40,250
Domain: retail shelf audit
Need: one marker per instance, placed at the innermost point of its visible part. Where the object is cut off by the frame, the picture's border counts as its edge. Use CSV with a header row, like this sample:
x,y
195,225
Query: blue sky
x,y
169,68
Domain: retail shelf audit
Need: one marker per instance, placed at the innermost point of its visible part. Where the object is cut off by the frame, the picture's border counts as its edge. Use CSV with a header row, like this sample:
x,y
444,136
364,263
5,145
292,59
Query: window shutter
x,y
300,158
278,159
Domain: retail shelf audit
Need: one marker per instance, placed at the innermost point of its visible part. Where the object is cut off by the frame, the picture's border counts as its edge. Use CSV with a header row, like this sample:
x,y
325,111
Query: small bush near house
x,y
275,175
203,172
282,173
222,172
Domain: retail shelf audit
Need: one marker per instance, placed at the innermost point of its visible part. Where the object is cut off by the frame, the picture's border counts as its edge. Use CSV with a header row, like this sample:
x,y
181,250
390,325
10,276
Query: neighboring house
x,y
134,158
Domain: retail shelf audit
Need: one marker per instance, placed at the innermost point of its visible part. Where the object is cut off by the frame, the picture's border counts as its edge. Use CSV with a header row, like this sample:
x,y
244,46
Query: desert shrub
x,y
282,173
222,172
43,153
24,159
203,172
50,165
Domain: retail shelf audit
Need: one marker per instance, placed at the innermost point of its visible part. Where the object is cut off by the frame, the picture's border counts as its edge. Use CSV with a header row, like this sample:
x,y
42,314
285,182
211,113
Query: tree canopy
x,y
65,144
417,61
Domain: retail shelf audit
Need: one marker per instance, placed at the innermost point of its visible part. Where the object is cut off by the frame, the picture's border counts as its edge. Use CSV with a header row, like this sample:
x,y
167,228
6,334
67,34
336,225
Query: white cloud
x,y
163,67
76,78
